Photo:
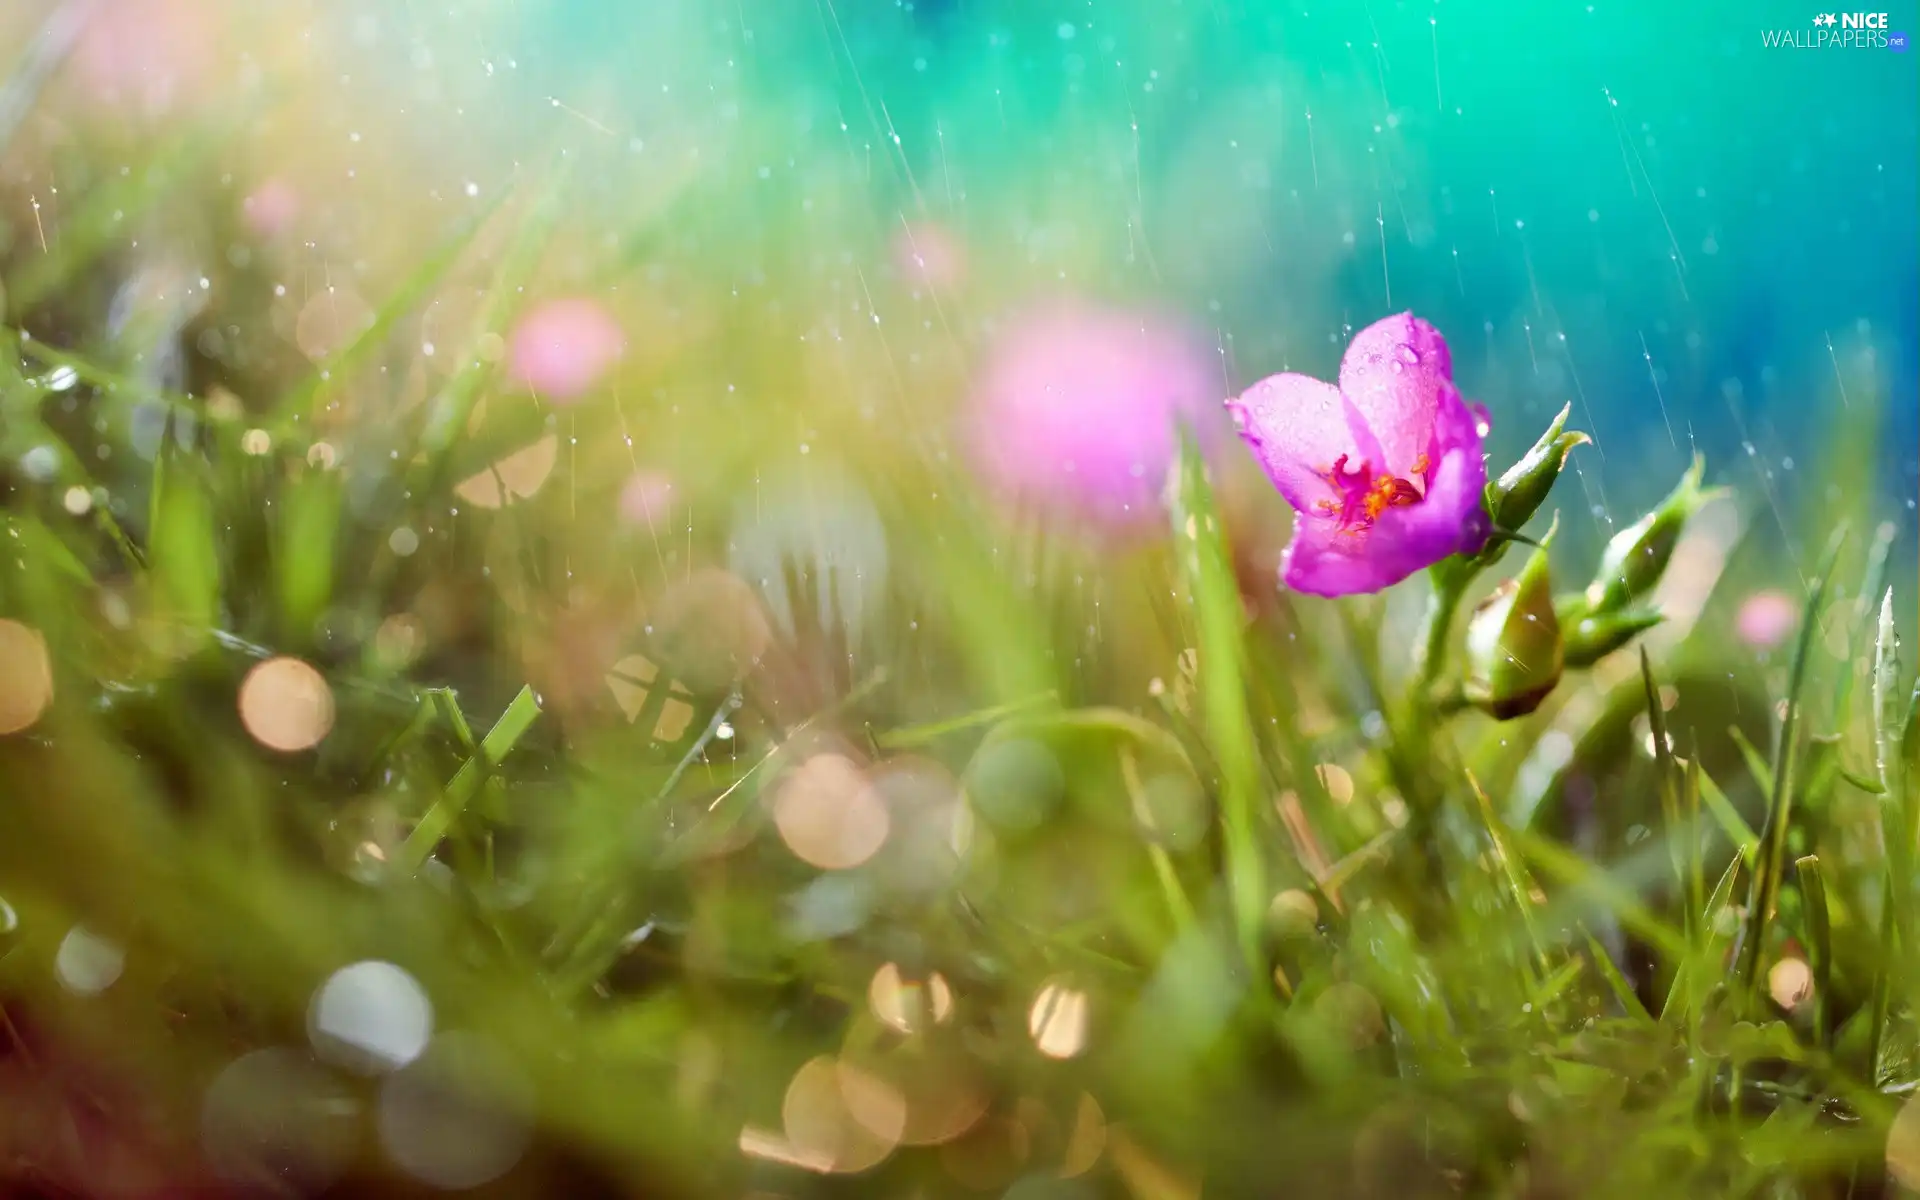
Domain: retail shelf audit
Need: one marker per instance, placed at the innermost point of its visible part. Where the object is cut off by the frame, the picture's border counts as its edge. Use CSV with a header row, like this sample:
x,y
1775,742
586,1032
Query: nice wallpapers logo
x,y
1838,31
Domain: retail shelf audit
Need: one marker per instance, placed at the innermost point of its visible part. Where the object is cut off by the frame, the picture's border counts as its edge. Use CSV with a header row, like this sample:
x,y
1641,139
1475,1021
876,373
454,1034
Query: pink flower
x,y
563,347
1076,411
1766,618
1385,470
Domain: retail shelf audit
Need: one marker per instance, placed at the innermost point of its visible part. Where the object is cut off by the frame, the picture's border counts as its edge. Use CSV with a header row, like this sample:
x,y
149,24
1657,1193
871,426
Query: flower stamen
x,y
1364,496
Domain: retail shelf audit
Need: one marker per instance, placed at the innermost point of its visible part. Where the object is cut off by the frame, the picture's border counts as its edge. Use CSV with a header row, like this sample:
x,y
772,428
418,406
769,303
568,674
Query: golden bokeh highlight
x,y
322,455
909,1005
77,500
1337,781
286,705
329,321
1790,983
256,442
839,1115
710,628
399,640
1058,1020
1087,1140
1293,914
769,1146
514,477
828,814
26,676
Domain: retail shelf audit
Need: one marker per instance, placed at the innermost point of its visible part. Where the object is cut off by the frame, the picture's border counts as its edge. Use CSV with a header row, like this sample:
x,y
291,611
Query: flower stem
x,y
1449,588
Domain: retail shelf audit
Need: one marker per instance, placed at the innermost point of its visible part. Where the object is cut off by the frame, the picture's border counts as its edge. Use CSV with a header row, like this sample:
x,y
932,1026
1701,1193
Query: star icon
x,y
1824,19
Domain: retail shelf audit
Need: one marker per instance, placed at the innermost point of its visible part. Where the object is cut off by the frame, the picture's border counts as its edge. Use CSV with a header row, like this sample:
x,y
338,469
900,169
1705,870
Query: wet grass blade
x,y
1565,867
304,547
465,785
448,410
338,368
1739,833
183,559
1704,961
1770,862
1208,575
1755,761
1819,933
1623,992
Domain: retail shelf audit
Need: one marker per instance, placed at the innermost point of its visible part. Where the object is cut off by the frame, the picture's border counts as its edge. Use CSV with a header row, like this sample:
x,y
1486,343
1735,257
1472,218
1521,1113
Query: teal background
x,y
1630,205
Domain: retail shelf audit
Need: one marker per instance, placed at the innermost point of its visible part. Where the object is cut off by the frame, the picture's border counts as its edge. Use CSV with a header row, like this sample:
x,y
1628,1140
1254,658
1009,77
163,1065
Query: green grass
x,y
1190,889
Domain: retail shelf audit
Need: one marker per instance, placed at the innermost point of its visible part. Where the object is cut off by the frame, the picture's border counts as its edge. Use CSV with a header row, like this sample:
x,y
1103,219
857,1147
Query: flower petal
x,y
1395,373
1326,561
1297,427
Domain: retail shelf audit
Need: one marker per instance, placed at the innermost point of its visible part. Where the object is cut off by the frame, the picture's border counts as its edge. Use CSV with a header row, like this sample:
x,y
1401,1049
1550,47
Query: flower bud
x,y
1590,638
1518,494
1514,651
1637,556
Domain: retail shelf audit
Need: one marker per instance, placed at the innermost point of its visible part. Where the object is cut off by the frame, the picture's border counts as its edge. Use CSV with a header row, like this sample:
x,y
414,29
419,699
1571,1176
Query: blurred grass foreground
x,y
592,654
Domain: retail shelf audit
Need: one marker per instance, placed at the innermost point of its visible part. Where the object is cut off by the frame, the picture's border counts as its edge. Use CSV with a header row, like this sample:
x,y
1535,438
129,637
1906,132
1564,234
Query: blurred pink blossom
x,y
271,207
927,253
563,347
146,54
647,498
1076,411
1766,618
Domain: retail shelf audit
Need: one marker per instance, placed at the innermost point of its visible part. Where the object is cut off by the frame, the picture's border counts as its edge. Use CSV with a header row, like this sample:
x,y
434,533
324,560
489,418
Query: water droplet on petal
x,y
1409,355
1398,367
1482,420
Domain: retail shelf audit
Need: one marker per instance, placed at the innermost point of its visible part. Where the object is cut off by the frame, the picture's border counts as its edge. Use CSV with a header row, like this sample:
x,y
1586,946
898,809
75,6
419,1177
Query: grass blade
x,y
1735,826
1765,888
1209,579
1819,931
1623,992
438,820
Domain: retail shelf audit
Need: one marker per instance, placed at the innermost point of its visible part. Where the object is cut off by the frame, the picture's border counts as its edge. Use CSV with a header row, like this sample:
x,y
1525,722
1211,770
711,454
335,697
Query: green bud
x,y
1517,495
1514,650
1638,555
1592,638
